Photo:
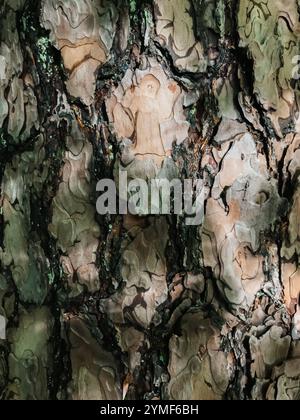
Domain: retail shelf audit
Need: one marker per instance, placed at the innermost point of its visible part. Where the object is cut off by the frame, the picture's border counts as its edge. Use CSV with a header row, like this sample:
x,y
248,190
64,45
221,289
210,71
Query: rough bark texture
x,y
112,307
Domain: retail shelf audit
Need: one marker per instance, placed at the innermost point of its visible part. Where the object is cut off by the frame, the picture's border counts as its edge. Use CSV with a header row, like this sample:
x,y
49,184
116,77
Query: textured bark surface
x,y
147,307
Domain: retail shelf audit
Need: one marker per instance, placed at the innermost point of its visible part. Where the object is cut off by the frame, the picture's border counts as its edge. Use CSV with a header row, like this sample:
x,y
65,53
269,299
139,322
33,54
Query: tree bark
x,y
149,307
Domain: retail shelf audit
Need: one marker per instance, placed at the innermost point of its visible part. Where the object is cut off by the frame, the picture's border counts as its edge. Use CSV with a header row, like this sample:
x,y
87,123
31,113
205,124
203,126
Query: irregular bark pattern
x,y
83,31
23,255
198,368
147,108
269,31
73,222
18,103
30,355
174,28
231,230
144,306
94,371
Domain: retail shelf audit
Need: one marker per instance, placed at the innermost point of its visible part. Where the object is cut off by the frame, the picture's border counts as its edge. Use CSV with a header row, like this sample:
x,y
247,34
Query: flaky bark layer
x,y
147,307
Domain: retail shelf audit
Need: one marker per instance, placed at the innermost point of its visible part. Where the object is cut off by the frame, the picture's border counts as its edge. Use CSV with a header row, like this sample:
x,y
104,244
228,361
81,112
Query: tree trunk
x,y
149,306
